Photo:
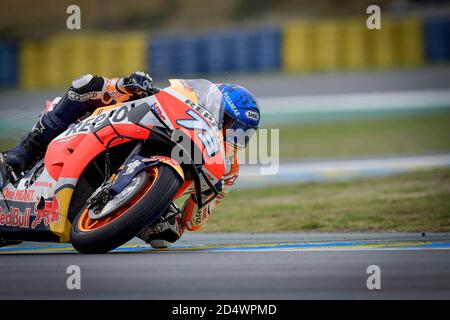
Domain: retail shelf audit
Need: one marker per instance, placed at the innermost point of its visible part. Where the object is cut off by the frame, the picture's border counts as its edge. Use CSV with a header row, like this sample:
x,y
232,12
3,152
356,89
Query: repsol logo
x,y
115,115
202,110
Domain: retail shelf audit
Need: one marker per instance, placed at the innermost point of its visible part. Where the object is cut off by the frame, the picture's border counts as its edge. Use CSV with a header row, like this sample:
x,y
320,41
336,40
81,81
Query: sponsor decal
x,y
115,116
19,195
231,104
8,194
48,214
15,218
43,184
131,167
252,115
82,97
202,110
157,108
24,195
206,136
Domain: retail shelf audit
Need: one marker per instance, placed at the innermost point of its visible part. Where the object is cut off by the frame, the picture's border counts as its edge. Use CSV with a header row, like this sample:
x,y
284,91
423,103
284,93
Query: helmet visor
x,y
238,133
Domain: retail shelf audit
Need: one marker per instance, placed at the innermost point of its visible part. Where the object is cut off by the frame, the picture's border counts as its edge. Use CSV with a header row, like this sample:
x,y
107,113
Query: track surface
x,y
237,266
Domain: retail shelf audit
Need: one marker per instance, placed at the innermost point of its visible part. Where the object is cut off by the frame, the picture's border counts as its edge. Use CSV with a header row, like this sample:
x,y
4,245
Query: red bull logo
x,y
48,214
15,218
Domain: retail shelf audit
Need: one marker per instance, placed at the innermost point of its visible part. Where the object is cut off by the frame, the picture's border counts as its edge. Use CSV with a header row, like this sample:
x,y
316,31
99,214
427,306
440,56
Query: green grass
x,y
408,202
361,138
6,143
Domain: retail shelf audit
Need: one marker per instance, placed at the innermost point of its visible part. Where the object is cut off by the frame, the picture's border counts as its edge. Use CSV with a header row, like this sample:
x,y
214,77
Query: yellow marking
x,y
63,226
302,247
43,62
305,246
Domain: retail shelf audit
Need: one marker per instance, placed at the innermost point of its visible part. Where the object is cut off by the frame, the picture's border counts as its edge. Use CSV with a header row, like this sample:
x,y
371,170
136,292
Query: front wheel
x,y
147,205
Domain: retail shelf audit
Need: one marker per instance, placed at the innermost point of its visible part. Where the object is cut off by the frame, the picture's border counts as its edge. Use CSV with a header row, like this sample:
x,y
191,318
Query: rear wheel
x,y
146,206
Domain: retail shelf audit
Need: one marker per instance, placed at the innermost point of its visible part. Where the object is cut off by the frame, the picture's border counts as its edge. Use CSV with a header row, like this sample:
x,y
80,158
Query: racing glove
x,y
193,217
138,84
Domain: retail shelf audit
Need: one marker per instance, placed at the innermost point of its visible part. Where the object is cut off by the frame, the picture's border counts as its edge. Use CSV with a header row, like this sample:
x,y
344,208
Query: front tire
x,y
100,236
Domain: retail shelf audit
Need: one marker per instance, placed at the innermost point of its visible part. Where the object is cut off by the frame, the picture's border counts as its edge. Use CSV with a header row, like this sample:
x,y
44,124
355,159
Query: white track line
x,y
250,175
374,101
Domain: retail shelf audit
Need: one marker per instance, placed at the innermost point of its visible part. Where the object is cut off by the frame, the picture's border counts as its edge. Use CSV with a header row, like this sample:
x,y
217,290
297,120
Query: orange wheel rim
x,y
86,224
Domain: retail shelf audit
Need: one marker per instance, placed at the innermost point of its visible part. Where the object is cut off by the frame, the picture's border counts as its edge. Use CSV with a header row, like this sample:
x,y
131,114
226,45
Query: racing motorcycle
x,y
110,175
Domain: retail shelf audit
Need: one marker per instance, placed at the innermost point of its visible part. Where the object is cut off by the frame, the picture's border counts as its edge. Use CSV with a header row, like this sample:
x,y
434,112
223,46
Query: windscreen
x,y
207,94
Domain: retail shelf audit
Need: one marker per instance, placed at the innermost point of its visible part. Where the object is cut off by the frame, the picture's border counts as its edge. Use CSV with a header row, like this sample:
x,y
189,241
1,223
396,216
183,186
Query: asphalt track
x,y
238,266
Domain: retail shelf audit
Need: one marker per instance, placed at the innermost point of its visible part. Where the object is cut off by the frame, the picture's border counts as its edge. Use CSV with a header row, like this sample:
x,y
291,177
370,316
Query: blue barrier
x,y
437,35
184,56
211,54
173,55
159,55
265,47
238,52
256,50
8,64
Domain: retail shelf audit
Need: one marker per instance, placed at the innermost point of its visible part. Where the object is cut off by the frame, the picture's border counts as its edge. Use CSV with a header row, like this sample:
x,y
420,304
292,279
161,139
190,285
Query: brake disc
x,y
121,199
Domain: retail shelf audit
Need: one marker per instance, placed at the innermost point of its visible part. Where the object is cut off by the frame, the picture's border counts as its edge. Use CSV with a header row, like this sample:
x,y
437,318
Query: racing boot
x,y
162,234
32,146
4,176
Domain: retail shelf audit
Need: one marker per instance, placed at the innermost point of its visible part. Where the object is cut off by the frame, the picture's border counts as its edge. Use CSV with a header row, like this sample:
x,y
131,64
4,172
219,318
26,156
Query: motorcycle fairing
x,y
30,206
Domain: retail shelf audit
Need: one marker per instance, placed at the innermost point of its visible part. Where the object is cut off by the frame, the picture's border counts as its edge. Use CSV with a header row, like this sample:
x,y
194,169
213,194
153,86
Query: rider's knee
x,y
86,85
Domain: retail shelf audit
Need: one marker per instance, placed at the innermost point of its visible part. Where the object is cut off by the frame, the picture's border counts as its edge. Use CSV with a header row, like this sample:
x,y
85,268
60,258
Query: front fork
x,y
103,194
136,150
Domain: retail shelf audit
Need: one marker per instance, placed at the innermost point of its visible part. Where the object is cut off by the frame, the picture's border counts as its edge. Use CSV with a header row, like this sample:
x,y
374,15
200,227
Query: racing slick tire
x,y
102,235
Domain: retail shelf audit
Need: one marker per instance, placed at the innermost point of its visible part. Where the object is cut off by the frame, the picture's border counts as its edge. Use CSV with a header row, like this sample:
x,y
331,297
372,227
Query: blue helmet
x,y
241,114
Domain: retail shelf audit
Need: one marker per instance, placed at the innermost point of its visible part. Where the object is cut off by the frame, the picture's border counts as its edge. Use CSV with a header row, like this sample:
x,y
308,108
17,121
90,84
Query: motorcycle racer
x,y
87,93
